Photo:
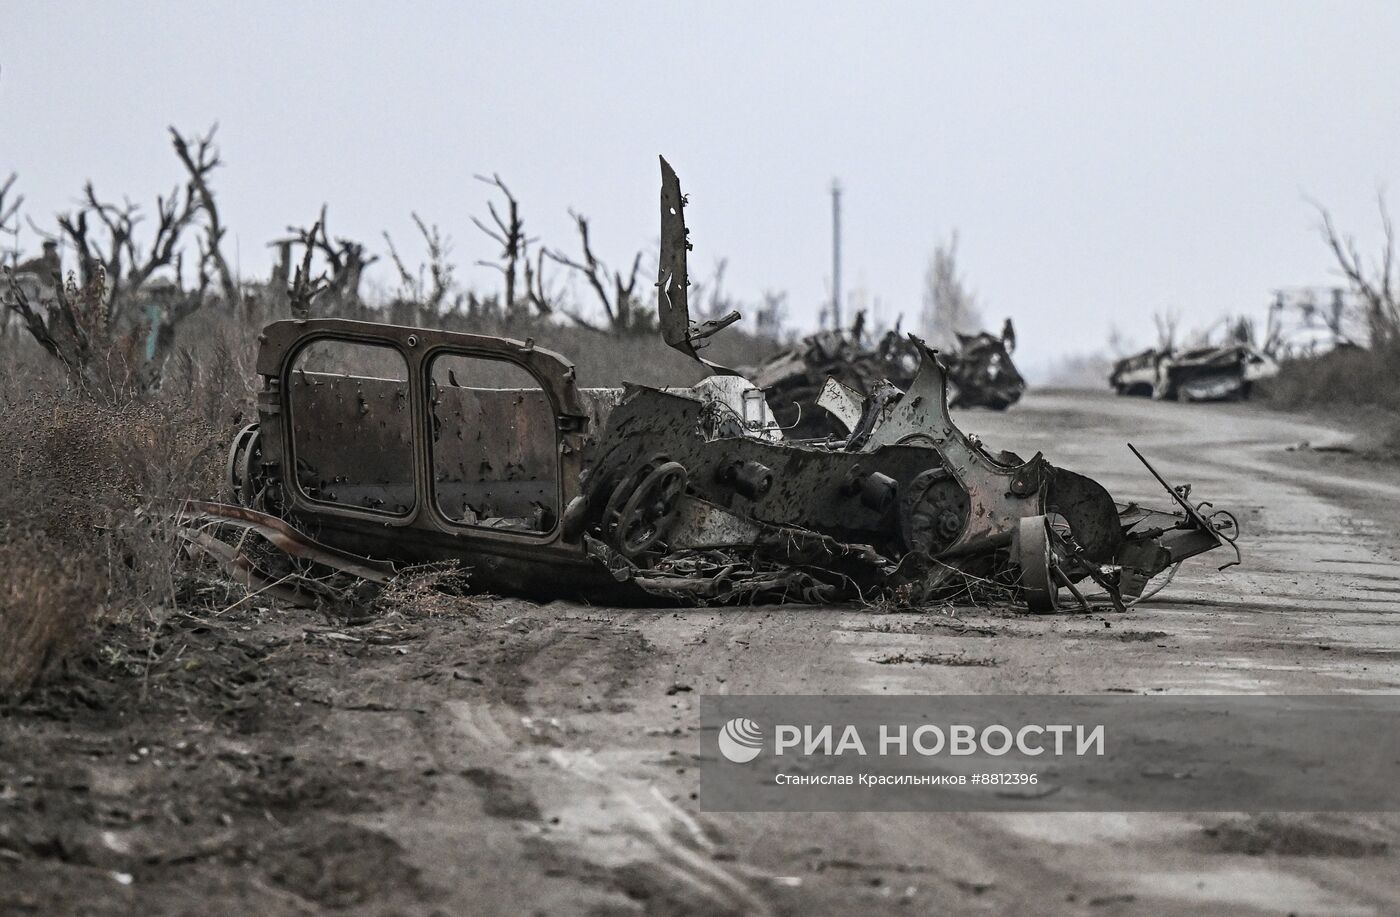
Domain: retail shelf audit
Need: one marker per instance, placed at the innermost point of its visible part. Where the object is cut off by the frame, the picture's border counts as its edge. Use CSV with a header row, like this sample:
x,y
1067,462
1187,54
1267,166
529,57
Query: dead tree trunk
x,y
509,233
619,303
200,160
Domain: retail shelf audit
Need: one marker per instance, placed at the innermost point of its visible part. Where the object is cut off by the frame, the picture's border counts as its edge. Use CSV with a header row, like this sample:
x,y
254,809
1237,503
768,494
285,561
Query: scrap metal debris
x,y
396,445
271,558
1225,373
980,371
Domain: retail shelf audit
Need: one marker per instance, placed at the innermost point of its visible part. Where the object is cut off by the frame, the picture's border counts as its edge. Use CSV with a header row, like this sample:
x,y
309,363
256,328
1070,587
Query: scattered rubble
x,y
388,445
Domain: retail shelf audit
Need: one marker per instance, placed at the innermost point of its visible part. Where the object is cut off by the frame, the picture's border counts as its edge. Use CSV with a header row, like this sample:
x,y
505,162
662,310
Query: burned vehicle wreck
x,y
378,446
980,372
1224,373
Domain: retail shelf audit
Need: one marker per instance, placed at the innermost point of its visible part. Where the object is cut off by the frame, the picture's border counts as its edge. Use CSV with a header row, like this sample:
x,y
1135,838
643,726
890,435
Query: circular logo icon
x,y
740,740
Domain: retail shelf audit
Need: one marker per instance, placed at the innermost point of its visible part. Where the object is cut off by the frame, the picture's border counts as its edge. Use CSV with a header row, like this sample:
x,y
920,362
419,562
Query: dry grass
x,y
86,479
1356,382
1364,378
48,600
88,474
429,590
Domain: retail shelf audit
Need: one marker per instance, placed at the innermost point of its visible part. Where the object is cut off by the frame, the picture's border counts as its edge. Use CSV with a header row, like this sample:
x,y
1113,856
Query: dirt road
x,y
503,757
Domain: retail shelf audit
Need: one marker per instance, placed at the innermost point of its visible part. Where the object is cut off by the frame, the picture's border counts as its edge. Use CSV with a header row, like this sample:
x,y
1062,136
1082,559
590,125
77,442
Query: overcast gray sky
x,y
1099,160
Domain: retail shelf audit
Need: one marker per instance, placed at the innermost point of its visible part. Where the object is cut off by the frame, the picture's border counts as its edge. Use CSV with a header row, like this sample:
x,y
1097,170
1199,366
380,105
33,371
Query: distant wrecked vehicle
x,y
980,372
379,446
1223,373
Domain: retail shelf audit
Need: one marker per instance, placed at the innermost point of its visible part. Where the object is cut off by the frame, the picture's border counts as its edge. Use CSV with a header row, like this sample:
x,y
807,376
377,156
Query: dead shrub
x,y
86,538
48,599
1362,386
428,589
1346,376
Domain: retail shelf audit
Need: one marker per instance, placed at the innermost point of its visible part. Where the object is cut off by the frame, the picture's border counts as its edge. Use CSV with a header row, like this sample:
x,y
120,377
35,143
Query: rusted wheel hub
x,y
649,512
244,468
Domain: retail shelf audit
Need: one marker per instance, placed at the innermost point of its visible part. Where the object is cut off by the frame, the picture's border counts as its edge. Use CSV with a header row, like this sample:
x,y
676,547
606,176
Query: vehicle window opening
x,y
352,426
495,448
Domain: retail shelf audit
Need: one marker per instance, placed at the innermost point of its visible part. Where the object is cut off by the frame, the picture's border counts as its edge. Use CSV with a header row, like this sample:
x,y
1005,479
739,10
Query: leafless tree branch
x,y
9,216
1374,286
201,158
620,304
509,233
345,259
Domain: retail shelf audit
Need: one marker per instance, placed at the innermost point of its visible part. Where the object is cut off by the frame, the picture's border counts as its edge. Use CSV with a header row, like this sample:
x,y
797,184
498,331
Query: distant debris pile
x,y
980,371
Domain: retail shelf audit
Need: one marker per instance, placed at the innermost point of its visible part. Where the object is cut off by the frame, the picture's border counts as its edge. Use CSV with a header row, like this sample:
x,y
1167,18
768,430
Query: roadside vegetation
x,y
128,348
1361,380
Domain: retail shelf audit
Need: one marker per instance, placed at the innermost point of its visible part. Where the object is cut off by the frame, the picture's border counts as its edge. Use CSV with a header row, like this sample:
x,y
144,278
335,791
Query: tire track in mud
x,y
553,756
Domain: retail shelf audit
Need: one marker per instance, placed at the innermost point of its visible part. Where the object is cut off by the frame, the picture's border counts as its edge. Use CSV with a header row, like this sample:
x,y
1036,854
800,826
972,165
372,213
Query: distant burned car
x,y
379,446
1224,373
980,372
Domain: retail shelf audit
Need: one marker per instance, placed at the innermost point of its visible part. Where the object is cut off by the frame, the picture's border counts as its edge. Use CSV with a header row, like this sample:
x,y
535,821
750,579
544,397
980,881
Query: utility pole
x,y
836,254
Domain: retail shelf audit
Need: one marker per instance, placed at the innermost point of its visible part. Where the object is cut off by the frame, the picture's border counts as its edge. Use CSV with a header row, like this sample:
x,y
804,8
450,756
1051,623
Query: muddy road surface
x,y
491,756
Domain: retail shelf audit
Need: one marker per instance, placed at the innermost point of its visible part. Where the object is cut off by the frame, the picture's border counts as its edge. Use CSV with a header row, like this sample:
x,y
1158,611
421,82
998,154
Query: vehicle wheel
x,y
932,512
621,491
242,465
1036,558
250,486
651,510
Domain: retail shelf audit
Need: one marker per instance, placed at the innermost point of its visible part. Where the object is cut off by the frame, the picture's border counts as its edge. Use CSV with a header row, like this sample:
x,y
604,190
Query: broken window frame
x,y
290,437
429,360
281,341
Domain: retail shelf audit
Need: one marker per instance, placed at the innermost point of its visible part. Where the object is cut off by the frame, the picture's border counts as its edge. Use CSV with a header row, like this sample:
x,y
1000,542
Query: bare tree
x,y
345,263
9,219
1118,343
950,307
105,234
434,280
1373,284
1167,323
538,289
105,237
305,288
201,158
92,325
616,295
411,284
509,232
